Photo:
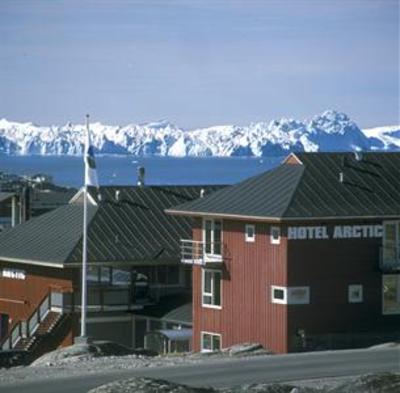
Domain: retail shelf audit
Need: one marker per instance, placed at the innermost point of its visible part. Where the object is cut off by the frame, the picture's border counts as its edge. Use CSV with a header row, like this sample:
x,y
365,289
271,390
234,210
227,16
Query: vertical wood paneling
x,y
19,298
250,269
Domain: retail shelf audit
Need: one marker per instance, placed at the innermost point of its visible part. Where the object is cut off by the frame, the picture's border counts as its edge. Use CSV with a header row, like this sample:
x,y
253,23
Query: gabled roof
x,y
6,195
309,186
127,226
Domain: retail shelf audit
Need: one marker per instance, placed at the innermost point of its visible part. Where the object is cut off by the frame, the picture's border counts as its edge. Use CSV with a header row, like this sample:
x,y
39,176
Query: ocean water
x,y
122,170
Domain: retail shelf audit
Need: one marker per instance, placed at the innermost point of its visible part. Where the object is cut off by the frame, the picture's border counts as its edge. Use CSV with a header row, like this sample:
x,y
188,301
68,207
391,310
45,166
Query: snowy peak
x,y
328,131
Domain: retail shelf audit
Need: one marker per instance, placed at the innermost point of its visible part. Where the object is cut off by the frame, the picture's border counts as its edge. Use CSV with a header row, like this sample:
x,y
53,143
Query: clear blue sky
x,y
198,63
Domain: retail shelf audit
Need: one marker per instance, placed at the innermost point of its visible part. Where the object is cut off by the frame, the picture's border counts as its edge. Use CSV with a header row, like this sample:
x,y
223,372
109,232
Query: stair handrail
x,y
38,315
23,328
12,337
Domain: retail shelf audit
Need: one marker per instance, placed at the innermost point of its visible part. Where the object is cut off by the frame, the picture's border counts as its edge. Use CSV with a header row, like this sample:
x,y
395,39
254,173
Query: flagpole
x,y
84,249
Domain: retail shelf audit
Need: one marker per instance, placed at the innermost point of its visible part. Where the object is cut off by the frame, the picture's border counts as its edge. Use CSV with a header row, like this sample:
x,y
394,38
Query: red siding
x,y
328,267
19,298
250,269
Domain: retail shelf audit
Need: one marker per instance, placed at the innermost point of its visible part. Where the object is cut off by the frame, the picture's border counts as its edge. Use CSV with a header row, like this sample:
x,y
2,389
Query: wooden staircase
x,y
42,332
45,328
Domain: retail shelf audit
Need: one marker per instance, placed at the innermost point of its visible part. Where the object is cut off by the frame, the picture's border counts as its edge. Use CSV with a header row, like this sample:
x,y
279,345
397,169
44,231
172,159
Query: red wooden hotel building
x,y
304,256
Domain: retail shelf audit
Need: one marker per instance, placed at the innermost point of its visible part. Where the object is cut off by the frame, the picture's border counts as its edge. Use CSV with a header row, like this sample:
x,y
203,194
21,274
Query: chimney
x,y
358,155
140,180
202,193
25,204
341,177
117,194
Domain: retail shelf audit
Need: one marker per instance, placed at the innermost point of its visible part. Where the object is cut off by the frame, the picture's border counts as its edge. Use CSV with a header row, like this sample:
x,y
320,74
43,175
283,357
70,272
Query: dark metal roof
x,y
6,195
174,308
130,229
48,238
50,199
312,189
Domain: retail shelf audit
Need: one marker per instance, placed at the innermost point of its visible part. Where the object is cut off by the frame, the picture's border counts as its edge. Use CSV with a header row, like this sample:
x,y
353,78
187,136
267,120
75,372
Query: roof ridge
x,y
96,207
295,188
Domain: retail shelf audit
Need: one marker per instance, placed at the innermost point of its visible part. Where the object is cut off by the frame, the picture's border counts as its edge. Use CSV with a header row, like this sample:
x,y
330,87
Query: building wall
x,y
247,315
328,267
19,298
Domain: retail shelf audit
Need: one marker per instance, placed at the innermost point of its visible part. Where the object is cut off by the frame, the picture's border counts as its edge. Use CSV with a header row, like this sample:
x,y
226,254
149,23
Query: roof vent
x,y
140,172
341,177
358,155
202,193
117,194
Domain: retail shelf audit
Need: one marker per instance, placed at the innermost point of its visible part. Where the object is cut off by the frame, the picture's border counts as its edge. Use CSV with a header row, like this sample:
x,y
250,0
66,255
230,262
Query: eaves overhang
x,y
23,261
243,217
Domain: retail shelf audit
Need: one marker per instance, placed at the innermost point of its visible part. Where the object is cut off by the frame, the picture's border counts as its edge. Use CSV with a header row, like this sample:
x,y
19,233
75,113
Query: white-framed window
x,y
212,237
355,293
391,294
210,342
279,295
290,295
250,233
391,242
212,288
275,235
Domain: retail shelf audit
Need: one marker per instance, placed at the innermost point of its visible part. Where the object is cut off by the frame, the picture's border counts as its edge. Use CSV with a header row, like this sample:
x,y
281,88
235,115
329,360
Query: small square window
x,y
355,293
275,235
278,295
210,342
250,233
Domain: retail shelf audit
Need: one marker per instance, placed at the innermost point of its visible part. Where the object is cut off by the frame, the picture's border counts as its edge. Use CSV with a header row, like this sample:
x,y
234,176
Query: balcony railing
x,y
389,258
197,252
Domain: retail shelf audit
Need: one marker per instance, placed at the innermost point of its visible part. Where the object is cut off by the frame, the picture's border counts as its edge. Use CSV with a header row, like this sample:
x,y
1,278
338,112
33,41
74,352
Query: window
x,y
355,293
212,237
290,295
275,235
391,294
279,295
211,288
391,241
250,233
210,342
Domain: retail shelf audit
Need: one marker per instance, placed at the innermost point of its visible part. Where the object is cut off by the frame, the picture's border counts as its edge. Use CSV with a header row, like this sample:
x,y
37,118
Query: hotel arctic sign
x,y
337,232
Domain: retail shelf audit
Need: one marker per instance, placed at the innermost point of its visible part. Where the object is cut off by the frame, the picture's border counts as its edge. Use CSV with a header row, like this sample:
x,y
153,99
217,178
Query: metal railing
x,y
197,252
389,258
26,328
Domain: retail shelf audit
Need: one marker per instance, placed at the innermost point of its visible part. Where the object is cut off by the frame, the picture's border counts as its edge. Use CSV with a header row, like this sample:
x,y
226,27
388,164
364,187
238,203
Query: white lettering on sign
x,y
14,273
339,232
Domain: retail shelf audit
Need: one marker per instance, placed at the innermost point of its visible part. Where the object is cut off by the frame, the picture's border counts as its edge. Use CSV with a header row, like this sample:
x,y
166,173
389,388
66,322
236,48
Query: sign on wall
x,y
15,274
336,232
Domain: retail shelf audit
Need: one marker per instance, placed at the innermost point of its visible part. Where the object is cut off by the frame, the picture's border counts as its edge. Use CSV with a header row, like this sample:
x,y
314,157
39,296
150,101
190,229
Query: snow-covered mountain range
x,y
329,131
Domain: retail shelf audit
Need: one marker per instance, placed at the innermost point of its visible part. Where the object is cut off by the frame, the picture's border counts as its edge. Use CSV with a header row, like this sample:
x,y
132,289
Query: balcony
x,y
389,259
195,252
102,299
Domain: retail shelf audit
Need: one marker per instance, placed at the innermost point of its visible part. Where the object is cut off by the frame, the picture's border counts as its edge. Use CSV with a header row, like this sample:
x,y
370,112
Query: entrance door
x,y
3,325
